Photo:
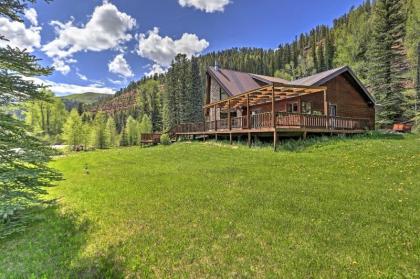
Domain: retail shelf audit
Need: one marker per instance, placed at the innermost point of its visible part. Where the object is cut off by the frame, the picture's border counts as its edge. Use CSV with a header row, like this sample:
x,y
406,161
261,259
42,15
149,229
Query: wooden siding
x,y
349,101
340,92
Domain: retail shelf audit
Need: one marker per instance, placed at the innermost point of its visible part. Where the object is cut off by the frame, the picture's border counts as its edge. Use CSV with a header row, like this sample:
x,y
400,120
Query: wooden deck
x,y
283,122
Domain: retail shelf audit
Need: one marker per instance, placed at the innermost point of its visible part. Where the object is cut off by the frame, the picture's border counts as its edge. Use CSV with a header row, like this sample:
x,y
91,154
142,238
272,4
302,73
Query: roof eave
x,y
353,75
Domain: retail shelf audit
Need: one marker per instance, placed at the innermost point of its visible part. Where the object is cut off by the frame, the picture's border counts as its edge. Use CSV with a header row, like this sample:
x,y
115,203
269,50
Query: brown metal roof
x,y
269,80
319,78
233,82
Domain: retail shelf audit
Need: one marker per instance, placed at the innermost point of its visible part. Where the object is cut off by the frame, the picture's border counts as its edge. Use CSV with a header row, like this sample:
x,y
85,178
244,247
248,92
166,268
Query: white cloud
x,y
32,16
62,89
108,28
120,66
82,76
162,50
19,35
156,69
209,6
116,82
61,66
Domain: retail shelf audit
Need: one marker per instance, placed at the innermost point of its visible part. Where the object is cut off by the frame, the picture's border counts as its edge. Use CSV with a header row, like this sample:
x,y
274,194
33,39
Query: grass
x,y
339,208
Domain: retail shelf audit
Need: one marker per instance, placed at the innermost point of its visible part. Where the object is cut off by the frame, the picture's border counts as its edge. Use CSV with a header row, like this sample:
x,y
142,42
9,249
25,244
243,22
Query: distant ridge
x,y
88,98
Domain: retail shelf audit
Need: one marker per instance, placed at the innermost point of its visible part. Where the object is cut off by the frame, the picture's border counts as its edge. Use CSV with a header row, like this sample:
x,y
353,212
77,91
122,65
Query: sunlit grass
x,y
344,208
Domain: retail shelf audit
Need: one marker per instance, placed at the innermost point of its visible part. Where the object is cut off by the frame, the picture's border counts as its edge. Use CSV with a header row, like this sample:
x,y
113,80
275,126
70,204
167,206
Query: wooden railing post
x,y
273,109
248,119
215,117
326,108
229,120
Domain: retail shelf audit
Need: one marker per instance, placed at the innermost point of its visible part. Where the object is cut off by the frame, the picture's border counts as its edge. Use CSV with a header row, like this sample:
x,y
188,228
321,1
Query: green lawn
x,y
345,208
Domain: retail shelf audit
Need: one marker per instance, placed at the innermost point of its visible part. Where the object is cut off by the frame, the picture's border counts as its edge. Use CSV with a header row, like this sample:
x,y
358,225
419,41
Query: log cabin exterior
x,y
238,104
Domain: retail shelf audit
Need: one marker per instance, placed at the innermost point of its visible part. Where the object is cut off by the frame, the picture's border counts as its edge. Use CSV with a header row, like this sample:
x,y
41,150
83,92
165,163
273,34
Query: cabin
x,y
238,104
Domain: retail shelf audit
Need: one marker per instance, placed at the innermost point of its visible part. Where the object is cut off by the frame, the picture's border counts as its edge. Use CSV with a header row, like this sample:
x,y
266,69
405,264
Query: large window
x,y
307,107
293,107
222,94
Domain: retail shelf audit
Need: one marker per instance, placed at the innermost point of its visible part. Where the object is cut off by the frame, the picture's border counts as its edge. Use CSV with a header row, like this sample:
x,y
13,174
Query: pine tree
x,y
329,52
196,92
388,62
171,101
314,56
321,59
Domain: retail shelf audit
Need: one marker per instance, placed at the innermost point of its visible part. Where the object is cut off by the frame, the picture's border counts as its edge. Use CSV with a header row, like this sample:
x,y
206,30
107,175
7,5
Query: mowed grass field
x,y
342,208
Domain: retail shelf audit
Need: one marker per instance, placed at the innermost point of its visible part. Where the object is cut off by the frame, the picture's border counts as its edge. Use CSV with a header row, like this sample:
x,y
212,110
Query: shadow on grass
x,y
51,246
302,144
296,145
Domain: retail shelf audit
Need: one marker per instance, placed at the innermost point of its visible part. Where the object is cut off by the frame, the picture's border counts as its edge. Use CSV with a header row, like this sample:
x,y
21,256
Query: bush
x,y
165,139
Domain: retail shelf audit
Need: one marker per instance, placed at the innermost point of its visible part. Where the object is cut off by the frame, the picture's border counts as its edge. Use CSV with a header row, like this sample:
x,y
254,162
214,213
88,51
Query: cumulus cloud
x,y
32,16
209,6
120,66
61,66
162,50
108,28
156,69
19,35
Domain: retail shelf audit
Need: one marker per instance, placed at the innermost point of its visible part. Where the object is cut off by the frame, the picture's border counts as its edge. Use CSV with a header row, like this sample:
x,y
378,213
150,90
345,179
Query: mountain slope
x,y
86,98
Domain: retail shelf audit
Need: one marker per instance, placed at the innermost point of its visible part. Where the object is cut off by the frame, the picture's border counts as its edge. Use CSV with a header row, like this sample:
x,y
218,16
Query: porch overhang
x,y
265,94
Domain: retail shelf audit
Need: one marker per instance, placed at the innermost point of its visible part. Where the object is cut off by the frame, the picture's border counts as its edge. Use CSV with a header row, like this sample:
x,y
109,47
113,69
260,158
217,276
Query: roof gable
x,y
323,77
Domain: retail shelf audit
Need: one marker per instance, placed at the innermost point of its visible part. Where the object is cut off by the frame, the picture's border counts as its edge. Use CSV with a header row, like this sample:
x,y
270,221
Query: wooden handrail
x,y
282,120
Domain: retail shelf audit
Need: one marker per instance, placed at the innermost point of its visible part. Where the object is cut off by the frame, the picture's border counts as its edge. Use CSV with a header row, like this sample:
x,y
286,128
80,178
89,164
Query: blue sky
x,y
100,46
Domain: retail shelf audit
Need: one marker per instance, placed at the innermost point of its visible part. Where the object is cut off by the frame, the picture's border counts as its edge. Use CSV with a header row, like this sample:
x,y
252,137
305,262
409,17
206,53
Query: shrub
x,y
165,139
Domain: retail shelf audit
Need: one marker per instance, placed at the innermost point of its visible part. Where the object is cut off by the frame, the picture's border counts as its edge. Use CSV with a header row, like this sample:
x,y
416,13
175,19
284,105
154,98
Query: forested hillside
x,y
88,98
379,40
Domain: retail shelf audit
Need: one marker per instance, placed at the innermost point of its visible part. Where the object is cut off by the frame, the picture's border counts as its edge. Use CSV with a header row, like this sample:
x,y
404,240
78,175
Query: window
x,y
222,94
306,107
333,110
292,107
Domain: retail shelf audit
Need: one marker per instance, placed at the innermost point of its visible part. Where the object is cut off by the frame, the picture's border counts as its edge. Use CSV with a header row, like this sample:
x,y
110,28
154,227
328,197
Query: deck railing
x,y
238,122
283,120
261,120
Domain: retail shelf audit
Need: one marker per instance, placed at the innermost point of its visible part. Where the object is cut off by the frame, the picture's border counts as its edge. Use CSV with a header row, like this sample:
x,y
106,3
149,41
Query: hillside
x,y
87,98
338,209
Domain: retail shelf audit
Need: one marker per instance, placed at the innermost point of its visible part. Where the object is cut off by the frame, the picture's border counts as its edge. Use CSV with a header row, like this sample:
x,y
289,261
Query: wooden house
x,y
238,103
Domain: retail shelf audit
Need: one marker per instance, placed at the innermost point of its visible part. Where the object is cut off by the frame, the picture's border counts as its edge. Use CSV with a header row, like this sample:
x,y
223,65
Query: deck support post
x,y
215,136
249,139
230,138
204,119
305,134
275,140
